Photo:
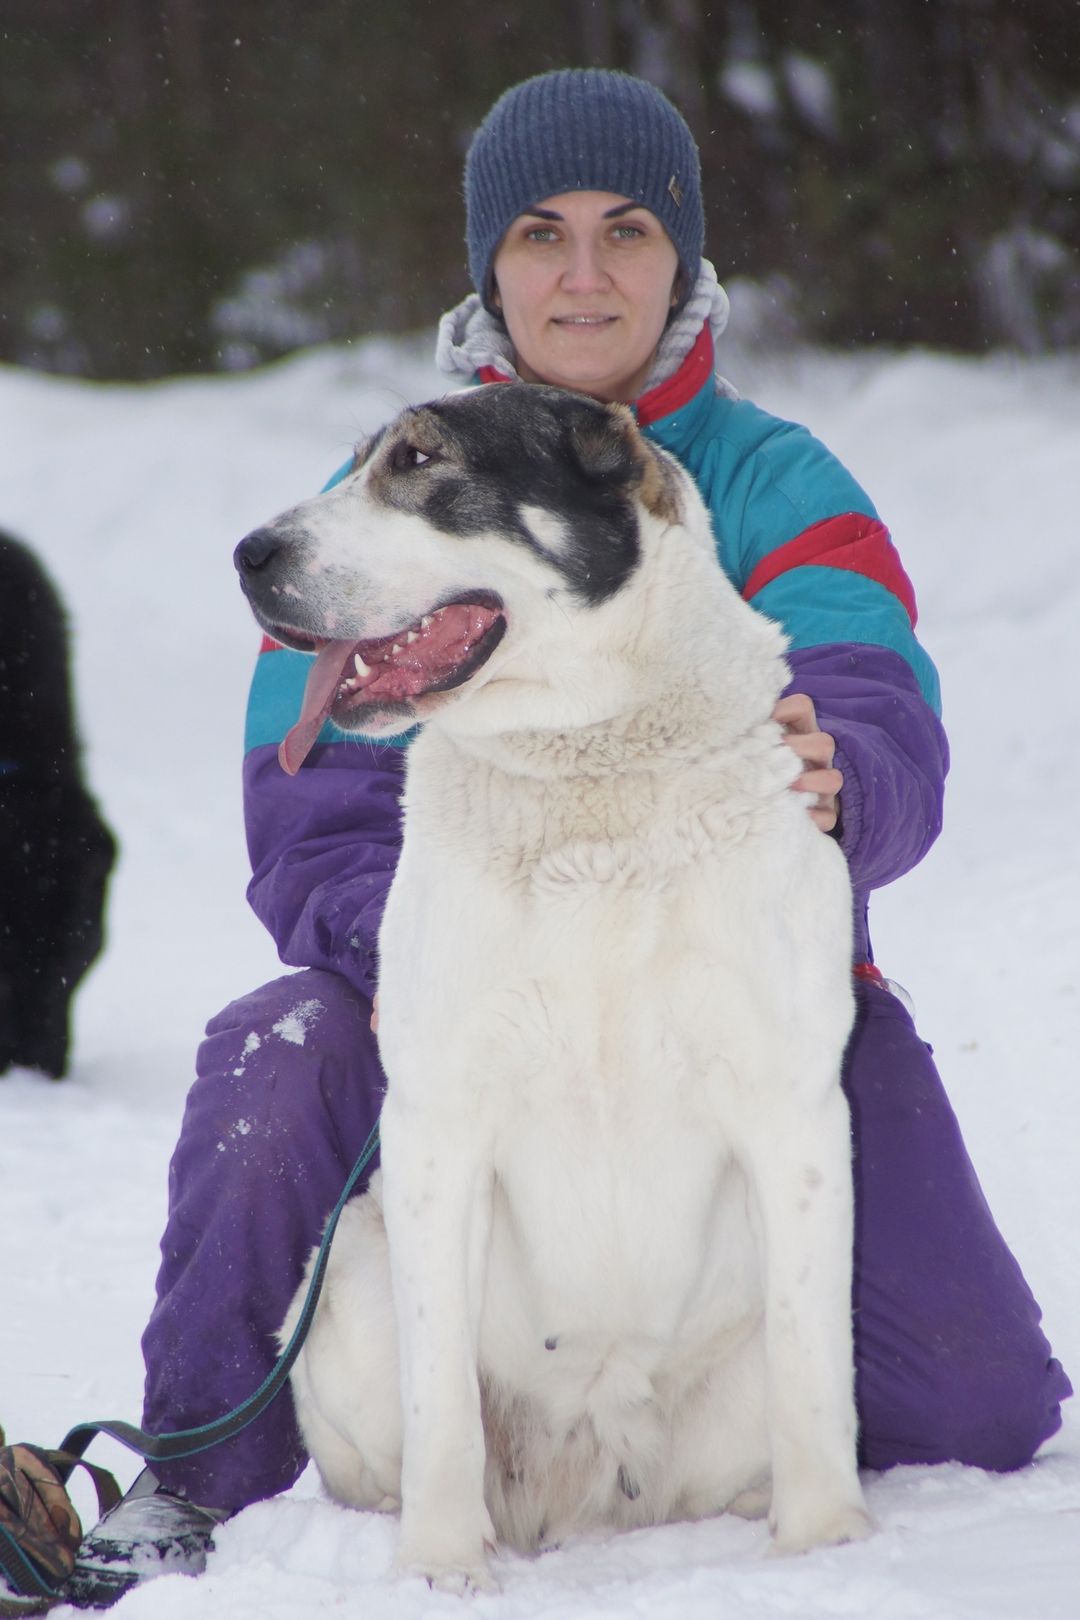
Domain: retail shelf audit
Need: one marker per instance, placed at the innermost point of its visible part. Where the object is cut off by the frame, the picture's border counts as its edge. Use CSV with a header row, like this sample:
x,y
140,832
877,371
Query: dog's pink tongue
x,y
324,678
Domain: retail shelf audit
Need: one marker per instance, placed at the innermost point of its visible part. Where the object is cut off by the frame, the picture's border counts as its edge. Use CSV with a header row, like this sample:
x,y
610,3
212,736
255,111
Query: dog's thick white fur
x,y
604,1276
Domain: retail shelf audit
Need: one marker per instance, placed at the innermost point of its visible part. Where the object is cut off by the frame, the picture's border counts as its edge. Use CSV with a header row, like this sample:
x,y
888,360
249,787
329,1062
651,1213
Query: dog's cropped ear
x,y
611,449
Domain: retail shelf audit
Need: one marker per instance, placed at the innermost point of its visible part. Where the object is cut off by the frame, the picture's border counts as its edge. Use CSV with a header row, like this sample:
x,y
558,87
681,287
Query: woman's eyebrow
x,y
611,213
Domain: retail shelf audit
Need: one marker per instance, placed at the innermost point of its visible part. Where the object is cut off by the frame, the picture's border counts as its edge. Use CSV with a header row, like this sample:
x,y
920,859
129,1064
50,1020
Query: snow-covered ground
x,y
135,497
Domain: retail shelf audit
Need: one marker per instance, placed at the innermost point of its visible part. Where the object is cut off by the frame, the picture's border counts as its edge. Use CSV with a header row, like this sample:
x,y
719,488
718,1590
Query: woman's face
x,y
585,282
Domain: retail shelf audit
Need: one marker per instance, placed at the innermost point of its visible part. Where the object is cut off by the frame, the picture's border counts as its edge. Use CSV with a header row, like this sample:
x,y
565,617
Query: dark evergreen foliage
x,y
186,186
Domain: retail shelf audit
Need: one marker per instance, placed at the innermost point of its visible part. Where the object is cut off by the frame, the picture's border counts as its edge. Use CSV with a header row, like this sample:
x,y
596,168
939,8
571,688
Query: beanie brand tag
x,y
675,190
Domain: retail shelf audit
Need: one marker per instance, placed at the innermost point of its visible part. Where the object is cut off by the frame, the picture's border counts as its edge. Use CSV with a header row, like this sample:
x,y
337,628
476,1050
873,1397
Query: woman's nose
x,y
585,269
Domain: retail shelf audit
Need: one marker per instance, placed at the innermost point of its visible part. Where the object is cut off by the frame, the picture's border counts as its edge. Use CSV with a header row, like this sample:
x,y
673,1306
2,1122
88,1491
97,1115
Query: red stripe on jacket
x,y
681,387
853,541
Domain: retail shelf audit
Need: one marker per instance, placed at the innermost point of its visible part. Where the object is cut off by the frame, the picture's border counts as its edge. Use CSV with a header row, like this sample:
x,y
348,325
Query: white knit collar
x,y
469,337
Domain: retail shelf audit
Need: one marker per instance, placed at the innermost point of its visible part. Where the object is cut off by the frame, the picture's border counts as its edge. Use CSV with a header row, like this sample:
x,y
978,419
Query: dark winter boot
x,y
150,1532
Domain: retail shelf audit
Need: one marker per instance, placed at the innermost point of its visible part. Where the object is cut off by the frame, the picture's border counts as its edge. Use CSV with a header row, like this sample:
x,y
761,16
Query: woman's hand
x,y
816,749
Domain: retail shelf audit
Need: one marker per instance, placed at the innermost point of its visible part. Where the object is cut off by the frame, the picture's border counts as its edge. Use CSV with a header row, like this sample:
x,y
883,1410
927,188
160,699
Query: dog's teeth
x,y
413,635
395,649
425,621
362,669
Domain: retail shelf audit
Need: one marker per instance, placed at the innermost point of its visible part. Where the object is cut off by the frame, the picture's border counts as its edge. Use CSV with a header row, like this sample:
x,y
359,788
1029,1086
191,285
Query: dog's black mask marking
x,y
477,458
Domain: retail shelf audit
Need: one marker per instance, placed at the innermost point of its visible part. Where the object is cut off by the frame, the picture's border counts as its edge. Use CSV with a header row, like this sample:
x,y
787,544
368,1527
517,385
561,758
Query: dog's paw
x,y
459,1579
799,1532
459,1570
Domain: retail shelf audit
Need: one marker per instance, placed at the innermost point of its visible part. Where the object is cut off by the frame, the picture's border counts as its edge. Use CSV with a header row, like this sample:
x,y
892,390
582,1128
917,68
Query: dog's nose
x,y
256,550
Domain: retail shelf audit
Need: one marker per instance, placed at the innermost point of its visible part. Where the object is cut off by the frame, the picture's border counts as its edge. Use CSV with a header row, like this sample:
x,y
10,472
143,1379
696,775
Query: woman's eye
x,y
540,233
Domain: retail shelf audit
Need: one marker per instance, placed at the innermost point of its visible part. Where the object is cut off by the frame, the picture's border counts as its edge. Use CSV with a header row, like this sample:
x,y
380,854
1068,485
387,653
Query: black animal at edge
x,y
56,853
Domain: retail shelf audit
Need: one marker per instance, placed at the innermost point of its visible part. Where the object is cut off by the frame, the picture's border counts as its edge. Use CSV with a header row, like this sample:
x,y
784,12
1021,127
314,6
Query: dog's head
x,y
409,575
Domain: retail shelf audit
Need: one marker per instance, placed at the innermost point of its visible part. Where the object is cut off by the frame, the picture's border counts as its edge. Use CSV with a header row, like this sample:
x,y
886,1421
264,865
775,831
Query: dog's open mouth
x,y
443,649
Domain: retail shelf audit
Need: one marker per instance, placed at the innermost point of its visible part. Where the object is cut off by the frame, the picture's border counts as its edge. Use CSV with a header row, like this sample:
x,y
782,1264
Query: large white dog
x,y
605,1276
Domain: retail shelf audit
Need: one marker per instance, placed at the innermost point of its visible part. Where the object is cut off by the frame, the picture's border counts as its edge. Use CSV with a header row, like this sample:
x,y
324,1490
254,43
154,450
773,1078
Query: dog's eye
x,y
406,457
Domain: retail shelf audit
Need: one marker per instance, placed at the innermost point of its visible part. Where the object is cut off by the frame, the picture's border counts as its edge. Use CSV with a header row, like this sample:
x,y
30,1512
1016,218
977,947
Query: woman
x,y
585,233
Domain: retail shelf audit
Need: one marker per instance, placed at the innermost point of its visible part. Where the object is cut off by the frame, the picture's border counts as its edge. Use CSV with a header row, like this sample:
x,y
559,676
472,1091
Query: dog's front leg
x,y
800,1165
437,1202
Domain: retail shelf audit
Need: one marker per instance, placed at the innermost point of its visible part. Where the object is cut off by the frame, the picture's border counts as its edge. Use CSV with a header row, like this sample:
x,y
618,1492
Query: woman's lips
x,y
583,320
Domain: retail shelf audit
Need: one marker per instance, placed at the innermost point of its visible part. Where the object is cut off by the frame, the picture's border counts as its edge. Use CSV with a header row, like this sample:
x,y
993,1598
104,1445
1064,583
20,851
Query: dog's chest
x,y
585,960
581,898
580,914
596,839
588,955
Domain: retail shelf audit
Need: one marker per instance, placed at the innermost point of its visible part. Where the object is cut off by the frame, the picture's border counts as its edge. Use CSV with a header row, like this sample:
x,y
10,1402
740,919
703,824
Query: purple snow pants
x,y
950,1359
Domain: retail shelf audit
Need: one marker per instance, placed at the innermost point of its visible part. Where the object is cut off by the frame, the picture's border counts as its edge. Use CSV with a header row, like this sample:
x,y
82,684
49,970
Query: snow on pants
x,y
950,1359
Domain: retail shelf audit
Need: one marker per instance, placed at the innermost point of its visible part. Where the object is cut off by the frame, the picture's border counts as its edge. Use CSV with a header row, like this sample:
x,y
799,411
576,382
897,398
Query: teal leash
x,y
28,1584
189,1442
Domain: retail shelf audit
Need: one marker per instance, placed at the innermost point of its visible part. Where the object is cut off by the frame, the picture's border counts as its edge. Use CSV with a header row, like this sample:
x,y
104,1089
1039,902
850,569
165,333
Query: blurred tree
x,y
186,186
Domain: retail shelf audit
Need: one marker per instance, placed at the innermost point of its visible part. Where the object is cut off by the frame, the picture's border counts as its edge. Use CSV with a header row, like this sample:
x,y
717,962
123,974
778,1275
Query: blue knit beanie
x,y
582,129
